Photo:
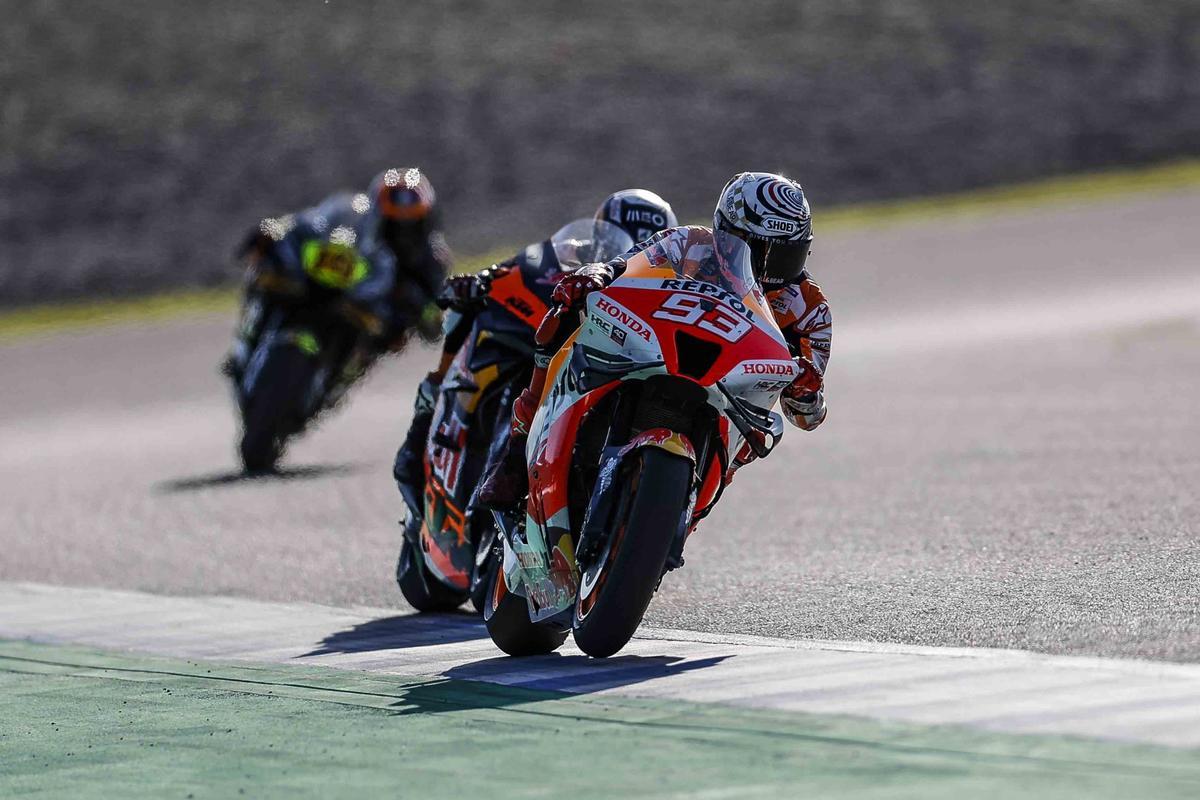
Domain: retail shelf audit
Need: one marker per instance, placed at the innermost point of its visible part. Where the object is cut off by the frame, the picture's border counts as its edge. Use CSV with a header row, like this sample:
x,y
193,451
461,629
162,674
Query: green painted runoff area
x,y
83,723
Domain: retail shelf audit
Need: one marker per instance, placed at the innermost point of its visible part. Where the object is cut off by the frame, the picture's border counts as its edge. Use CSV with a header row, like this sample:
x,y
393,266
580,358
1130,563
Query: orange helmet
x,y
402,194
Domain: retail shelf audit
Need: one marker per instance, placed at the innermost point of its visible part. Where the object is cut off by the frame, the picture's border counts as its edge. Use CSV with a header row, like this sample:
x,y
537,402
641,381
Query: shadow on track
x,y
496,681
577,674
216,480
403,631
504,682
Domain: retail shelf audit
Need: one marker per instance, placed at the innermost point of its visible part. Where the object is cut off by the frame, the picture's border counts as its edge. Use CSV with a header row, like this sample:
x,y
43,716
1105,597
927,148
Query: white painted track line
x,y
1002,690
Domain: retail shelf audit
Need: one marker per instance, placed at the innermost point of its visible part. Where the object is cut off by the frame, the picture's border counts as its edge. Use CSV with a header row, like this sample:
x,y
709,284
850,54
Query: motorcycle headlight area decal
x,y
338,266
591,368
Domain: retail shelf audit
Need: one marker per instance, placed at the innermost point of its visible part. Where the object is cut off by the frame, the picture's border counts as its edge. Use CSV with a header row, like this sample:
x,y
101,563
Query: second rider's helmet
x,y
404,200
770,213
639,212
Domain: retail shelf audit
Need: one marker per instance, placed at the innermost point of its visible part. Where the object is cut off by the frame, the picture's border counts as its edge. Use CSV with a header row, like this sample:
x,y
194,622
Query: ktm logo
x,y
521,306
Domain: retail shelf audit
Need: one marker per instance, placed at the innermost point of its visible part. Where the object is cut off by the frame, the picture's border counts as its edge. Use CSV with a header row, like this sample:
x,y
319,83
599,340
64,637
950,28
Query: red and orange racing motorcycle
x,y
448,551
676,365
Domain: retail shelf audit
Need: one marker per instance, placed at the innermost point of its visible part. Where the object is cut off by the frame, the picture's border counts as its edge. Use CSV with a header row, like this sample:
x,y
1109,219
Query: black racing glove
x,y
464,293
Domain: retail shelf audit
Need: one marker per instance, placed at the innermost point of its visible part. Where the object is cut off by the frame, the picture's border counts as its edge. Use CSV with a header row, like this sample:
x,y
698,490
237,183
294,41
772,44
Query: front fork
x,y
512,534
598,523
596,531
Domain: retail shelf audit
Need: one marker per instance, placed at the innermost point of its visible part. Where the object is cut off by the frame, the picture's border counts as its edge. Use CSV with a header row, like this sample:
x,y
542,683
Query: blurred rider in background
x,y
771,214
382,249
638,212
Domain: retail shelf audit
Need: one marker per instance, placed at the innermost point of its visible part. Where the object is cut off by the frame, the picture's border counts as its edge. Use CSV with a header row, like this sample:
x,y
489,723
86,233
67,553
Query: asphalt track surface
x,y
1011,459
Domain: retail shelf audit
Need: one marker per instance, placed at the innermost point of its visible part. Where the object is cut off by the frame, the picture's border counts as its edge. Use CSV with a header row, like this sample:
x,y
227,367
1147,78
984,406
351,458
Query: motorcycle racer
x,y
770,213
382,250
638,212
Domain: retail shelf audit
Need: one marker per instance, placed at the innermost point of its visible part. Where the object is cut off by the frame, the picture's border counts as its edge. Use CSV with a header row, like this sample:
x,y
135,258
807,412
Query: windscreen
x,y
698,254
588,241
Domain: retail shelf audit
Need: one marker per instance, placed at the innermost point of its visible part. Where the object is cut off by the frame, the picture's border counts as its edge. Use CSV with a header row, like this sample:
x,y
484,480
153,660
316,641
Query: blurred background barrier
x,y
139,140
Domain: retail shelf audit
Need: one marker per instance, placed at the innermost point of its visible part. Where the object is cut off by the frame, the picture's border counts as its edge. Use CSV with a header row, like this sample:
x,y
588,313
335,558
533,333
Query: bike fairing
x,y
476,385
520,294
685,282
346,226
493,346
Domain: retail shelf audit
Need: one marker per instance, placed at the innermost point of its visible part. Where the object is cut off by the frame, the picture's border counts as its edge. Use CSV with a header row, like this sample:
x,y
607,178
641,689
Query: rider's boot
x,y
508,481
409,469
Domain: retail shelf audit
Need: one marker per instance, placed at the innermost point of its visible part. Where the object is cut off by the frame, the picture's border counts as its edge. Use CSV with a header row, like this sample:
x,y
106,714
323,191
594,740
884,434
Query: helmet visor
x,y
402,204
785,261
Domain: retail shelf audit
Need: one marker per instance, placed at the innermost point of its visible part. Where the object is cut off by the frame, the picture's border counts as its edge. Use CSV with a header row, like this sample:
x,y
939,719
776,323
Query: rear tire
x,y
273,412
420,588
507,618
634,565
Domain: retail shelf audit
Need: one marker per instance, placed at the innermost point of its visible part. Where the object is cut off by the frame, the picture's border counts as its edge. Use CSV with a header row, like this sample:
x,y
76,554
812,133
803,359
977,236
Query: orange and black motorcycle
x,y
449,548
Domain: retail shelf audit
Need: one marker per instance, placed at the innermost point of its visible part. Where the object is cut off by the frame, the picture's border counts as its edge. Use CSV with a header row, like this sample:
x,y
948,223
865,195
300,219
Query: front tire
x,y
420,588
656,499
481,575
507,618
271,412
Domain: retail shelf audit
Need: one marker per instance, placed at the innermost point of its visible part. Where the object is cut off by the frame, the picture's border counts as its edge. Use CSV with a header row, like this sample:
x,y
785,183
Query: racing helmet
x,y
404,201
770,213
639,212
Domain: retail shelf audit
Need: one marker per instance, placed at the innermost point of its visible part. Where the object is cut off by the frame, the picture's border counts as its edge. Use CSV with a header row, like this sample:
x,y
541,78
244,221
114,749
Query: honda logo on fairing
x,y
624,317
768,368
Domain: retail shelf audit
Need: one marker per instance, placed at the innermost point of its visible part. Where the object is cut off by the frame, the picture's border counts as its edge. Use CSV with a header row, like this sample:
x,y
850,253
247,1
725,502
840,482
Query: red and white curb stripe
x,y
1000,690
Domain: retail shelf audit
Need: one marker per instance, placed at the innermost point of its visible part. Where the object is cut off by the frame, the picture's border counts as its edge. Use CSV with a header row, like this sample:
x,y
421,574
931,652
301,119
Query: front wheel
x,y
420,588
616,589
507,618
487,562
273,409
